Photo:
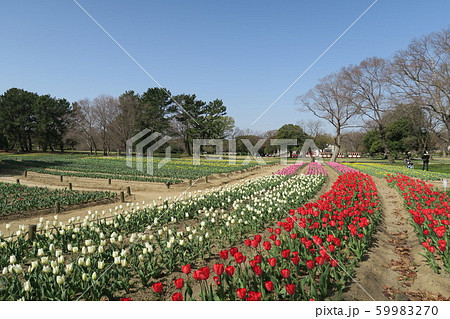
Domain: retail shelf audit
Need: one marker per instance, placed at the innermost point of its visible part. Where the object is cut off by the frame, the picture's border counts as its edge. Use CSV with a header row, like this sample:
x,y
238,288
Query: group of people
x,y
425,161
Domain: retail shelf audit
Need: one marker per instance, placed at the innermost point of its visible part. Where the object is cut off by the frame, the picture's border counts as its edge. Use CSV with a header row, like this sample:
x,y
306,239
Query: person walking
x,y
426,160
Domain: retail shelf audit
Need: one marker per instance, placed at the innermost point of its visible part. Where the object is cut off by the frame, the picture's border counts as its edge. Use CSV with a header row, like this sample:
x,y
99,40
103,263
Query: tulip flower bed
x,y
430,212
174,171
315,168
340,168
311,254
381,170
291,169
141,243
18,198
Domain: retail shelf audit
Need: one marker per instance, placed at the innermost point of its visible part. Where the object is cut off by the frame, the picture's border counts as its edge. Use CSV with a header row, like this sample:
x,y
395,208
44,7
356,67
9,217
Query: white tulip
x,y
75,249
5,271
8,226
101,249
88,262
60,280
69,247
69,269
124,262
117,260
84,277
27,286
34,264
101,265
61,260
141,258
12,259
46,269
91,249
44,260
58,253
80,261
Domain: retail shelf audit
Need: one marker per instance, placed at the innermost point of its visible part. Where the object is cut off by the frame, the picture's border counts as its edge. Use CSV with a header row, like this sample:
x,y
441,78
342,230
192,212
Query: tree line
x,y
31,121
401,103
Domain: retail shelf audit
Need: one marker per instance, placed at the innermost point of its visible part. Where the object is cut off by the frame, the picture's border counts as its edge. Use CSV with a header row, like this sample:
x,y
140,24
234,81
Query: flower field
x,y
115,167
91,257
430,213
381,170
291,169
315,168
306,256
18,198
340,168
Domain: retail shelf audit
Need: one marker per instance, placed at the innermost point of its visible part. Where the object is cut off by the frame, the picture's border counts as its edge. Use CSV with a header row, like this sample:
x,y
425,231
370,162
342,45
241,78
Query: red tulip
x,y
233,251
158,287
295,260
333,263
239,257
125,299
258,238
290,289
310,264
285,273
186,269
277,242
223,254
216,280
267,245
241,293
257,270
247,242
177,297
218,269
269,285
272,262
179,283
286,253
258,259
254,243
277,231
254,296
230,270
202,273
320,260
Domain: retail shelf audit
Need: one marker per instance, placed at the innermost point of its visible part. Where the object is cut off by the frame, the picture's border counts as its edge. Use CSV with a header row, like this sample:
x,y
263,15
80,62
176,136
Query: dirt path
x,y
141,191
394,268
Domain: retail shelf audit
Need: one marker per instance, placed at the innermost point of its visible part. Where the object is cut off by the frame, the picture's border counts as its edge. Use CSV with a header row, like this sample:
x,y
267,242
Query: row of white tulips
x,y
99,257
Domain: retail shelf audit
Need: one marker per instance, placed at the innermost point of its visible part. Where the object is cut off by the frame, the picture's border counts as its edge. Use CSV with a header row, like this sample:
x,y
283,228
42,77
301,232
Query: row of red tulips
x,y
310,255
430,211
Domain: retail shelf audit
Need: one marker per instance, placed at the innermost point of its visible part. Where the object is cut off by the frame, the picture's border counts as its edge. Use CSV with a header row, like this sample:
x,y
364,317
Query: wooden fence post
x,y
128,190
109,181
18,181
61,178
32,232
57,207
122,197
70,186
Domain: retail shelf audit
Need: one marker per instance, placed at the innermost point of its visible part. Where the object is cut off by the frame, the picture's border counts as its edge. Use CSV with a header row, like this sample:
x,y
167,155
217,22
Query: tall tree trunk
x,y
387,151
337,148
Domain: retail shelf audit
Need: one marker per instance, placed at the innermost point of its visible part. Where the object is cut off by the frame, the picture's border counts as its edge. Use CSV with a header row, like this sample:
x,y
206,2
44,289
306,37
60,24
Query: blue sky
x,y
243,52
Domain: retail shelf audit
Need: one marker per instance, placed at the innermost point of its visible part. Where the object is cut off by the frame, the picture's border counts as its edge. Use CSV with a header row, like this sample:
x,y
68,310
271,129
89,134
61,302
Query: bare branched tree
x,y
330,100
370,93
421,75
